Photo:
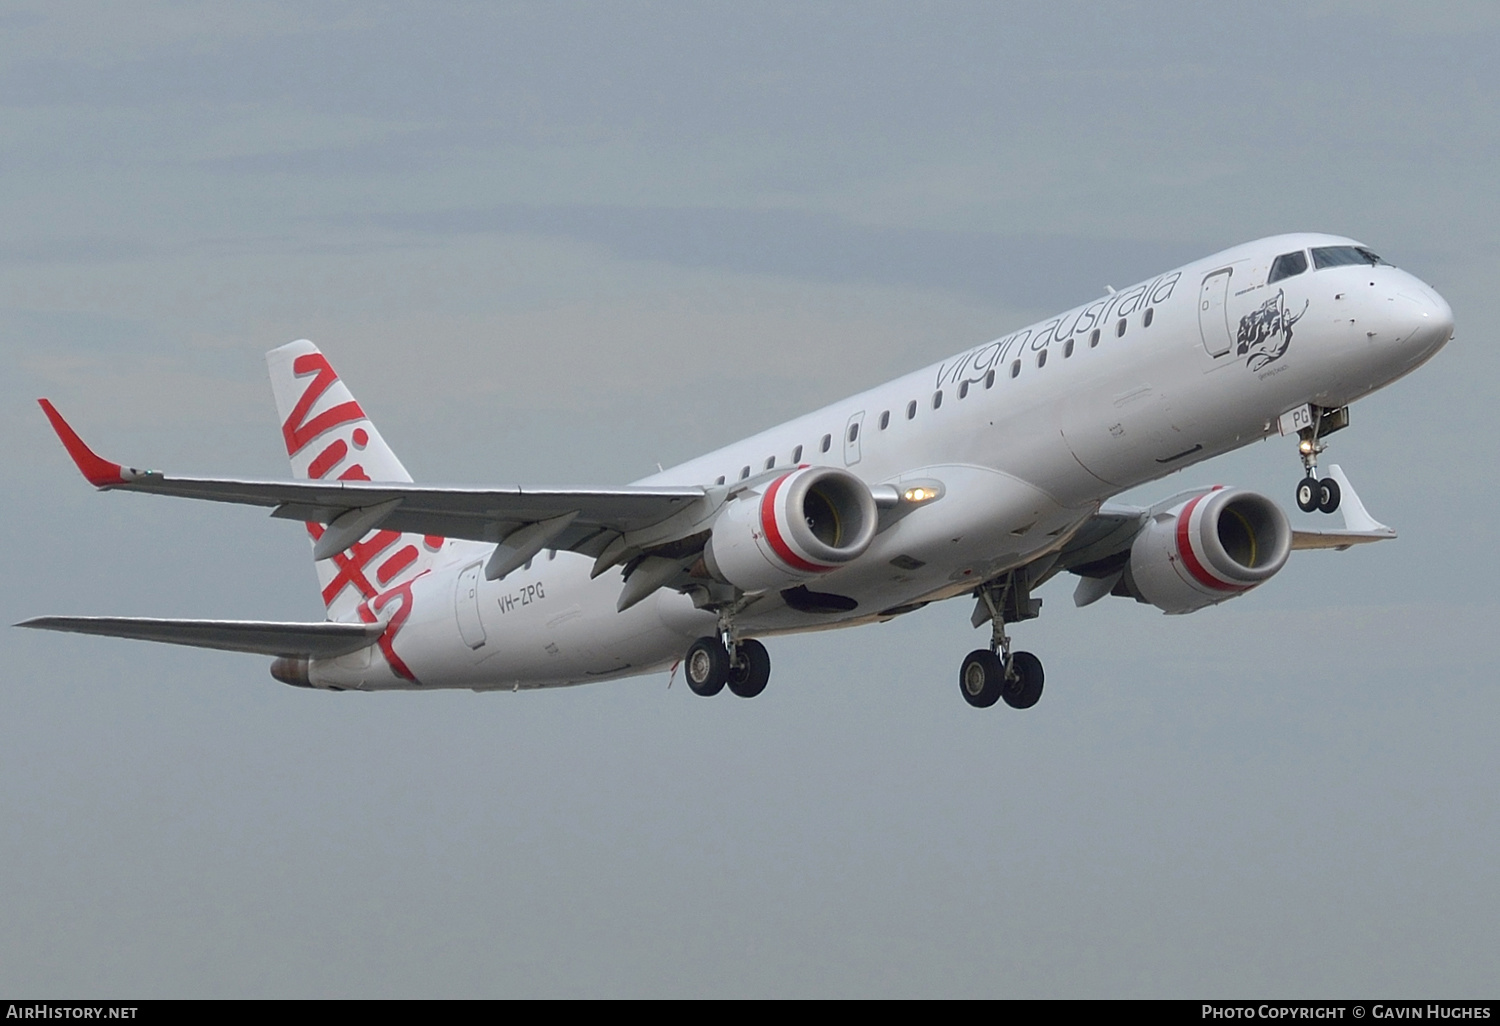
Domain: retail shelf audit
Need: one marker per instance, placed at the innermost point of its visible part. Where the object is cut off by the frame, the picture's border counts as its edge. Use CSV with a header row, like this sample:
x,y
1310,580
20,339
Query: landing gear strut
x,y
990,674
713,662
1312,493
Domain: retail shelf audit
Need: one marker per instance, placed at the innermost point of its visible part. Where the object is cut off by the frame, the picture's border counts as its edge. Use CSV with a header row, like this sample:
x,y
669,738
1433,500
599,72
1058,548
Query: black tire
x,y
1328,495
749,678
1308,494
706,667
1026,690
981,678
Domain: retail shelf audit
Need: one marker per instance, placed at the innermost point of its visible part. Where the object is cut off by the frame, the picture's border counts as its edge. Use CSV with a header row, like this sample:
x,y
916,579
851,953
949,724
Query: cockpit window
x,y
1287,265
1343,256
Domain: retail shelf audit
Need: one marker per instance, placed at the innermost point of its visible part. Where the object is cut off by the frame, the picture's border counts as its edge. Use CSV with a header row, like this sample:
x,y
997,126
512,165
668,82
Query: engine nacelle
x,y
805,523
1213,547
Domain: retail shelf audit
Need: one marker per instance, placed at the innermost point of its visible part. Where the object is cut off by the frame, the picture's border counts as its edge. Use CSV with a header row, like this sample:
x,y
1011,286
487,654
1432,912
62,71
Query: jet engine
x,y
805,523
1213,547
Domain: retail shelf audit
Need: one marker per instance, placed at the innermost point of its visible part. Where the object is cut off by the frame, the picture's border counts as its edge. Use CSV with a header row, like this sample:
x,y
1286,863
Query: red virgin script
x,y
393,625
353,566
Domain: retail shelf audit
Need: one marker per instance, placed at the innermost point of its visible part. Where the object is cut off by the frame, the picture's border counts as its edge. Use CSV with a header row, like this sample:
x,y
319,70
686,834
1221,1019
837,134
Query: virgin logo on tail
x,y
298,430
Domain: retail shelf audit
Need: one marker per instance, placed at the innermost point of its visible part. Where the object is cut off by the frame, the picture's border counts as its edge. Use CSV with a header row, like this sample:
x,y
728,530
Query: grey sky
x,y
558,243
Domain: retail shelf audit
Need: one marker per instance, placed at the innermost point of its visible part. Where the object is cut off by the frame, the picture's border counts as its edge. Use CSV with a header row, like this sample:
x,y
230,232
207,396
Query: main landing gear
x,y
1314,495
711,664
985,678
990,674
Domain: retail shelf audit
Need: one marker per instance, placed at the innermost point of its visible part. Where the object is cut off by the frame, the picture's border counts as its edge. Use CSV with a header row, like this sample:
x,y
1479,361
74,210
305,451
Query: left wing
x,y
578,520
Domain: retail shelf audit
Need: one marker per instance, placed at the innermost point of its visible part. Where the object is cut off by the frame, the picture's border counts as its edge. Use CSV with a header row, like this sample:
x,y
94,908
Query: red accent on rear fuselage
x,y
387,640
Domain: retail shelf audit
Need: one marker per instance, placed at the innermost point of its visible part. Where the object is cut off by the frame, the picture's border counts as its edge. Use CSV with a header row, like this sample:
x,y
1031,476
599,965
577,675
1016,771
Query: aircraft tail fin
x,y
326,431
329,437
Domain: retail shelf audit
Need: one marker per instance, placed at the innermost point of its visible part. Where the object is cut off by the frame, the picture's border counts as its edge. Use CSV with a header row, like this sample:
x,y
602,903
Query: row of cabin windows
x,y
963,393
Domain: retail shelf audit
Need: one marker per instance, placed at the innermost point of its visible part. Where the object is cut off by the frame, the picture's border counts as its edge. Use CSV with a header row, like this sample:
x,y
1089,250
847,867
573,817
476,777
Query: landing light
x,y
919,494
1305,445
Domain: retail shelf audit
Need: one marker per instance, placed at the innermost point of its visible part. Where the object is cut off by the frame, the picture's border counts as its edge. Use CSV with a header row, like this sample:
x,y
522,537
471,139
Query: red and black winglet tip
x,y
99,471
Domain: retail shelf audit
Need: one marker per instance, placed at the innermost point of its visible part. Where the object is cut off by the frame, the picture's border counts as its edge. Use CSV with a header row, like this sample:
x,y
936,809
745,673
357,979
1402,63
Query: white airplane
x,y
983,475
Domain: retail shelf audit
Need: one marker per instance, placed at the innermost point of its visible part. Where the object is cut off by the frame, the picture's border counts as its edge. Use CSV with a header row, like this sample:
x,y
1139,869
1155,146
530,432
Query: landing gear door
x,y
1213,312
851,438
466,607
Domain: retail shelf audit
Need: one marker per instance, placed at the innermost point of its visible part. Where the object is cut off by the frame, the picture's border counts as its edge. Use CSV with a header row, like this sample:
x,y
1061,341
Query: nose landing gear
x,y
1313,494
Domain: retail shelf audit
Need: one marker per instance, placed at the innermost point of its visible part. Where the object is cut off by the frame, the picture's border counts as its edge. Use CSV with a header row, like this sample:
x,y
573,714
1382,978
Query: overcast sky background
x,y
558,243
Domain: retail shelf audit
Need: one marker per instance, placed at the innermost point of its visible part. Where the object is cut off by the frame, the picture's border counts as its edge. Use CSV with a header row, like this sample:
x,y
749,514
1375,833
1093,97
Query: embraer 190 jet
x,y
984,476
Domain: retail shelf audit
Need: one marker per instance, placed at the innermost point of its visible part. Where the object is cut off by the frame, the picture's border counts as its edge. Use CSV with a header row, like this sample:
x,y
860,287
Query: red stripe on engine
x,y
773,533
1190,558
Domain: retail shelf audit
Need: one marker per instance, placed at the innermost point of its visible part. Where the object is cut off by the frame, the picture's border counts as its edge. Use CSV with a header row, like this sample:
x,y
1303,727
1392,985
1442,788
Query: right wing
x,y
1100,550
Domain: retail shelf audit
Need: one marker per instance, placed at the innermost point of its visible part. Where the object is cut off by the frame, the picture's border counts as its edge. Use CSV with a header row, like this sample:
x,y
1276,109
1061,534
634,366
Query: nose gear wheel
x,y
1314,494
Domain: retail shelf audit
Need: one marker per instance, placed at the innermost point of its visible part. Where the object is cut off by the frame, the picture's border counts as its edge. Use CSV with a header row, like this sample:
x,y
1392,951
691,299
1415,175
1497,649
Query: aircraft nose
x,y
1425,320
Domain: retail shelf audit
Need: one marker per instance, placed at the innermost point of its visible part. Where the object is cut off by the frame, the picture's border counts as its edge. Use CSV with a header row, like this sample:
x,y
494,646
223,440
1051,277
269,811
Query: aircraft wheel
x,y
981,678
749,678
1026,689
706,667
1328,495
1309,491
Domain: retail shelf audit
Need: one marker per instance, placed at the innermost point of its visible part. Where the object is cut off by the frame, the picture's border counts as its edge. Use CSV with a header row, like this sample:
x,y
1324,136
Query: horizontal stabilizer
x,y
307,640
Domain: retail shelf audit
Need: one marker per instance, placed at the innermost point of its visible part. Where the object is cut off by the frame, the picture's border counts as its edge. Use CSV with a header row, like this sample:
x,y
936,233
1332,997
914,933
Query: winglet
x,y
1356,517
99,471
1359,526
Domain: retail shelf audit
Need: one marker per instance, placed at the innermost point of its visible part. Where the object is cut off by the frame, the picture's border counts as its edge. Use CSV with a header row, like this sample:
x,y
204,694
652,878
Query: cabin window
x,y
853,432
827,441
744,472
963,390
770,462
1120,328
989,380
1287,265
797,454
937,398
1068,349
1041,358
885,419
1148,316
1093,338
911,410
719,480
1015,368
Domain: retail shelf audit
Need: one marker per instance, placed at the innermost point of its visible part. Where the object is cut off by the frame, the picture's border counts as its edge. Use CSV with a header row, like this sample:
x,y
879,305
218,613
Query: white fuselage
x,y
1024,436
